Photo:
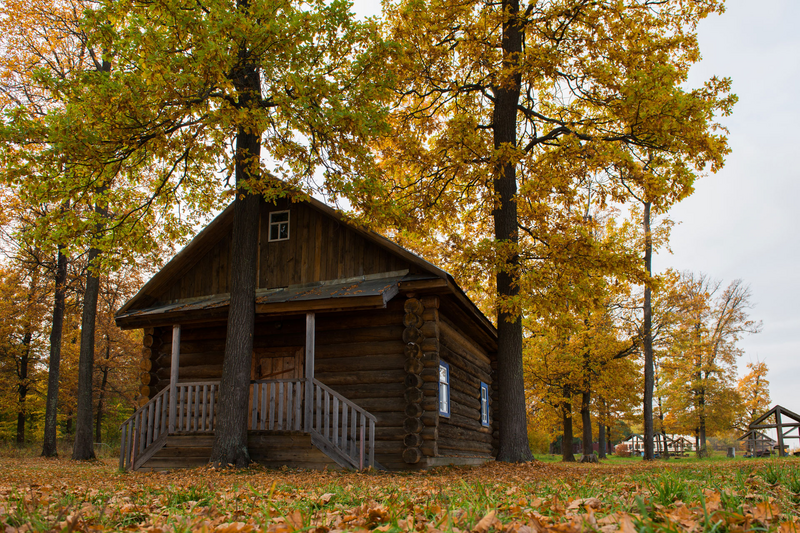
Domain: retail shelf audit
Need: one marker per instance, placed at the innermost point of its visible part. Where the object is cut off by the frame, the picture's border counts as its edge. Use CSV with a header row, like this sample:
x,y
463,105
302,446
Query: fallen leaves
x,y
497,498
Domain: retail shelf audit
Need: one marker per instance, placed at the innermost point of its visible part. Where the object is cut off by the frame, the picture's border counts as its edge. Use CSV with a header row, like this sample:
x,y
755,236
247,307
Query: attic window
x,y
279,226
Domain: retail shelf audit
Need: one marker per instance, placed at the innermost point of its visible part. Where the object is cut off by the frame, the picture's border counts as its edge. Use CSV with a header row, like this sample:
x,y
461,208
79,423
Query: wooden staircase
x,y
284,429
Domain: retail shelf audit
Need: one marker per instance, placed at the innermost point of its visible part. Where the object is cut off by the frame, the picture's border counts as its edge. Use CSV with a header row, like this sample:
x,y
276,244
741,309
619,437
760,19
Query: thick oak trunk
x,y
230,437
49,447
649,369
514,445
83,448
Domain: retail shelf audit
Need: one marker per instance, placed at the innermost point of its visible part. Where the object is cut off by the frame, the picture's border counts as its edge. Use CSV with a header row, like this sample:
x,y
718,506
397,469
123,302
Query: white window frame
x,y
485,421
444,390
277,224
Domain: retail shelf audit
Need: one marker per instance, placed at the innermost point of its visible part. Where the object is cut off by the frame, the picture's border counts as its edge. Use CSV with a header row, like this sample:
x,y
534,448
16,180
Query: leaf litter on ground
x,y
60,495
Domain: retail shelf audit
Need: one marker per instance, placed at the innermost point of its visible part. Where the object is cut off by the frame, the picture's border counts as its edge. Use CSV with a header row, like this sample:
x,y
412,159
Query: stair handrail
x,y
139,431
332,431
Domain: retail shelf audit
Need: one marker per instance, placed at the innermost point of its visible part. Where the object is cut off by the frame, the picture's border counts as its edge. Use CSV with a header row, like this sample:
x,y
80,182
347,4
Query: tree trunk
x,y
24,385
514,446
49,448
566,442
601,440
98,425
230,436
702,451
586,420
83,448
649,370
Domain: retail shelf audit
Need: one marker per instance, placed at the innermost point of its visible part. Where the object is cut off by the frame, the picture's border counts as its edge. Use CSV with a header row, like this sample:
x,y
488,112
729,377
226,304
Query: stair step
x,y
271,449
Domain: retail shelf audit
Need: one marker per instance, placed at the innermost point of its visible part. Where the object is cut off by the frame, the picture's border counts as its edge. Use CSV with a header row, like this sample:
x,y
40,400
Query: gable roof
x,y
432,277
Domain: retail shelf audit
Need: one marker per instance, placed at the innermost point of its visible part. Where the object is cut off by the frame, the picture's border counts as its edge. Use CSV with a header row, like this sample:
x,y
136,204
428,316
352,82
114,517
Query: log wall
x,y
462,435
358,354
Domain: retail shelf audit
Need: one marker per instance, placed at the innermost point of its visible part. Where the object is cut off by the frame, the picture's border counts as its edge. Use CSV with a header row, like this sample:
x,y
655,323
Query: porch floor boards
x,y
272,449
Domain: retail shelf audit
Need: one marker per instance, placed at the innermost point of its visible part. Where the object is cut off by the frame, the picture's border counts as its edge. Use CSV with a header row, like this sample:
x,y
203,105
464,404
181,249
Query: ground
x,y
677,495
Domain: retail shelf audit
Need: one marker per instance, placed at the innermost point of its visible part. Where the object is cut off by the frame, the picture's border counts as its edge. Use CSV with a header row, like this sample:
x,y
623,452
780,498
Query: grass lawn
x,y
618,495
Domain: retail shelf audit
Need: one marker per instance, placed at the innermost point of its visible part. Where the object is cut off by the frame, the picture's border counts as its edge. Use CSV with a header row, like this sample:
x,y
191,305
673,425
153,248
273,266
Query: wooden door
x,y
273,399
279,363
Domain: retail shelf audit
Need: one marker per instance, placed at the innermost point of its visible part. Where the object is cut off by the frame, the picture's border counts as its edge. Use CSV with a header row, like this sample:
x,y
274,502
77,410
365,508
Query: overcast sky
x,y
740,222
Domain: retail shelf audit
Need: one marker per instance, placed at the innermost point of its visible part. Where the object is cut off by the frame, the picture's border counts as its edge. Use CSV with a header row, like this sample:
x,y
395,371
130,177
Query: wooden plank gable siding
x,y
209,275
319,248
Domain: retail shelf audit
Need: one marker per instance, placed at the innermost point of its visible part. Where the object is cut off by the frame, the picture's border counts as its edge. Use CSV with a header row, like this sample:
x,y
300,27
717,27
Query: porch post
x,y
310,331
173,375
778,423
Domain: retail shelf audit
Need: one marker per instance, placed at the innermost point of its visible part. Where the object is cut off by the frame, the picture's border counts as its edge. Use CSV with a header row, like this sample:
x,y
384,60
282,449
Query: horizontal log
x,y
464,422
454,432
372,390
412,350
413,319
367,376
146,364
429,448
430,302
462,344
397,434
413,395
413,305
192,359
413,366
464,369
148,341
412,440
429,374
412,425
430,344
430,315
412,335
148,378
413,380
383,405
353,349
471,401
412,455
392,361
390,418
413,410
467,412
193,372
430,329
463,445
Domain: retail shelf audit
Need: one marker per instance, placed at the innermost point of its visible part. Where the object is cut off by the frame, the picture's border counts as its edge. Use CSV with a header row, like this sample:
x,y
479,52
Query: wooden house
x,y
364,353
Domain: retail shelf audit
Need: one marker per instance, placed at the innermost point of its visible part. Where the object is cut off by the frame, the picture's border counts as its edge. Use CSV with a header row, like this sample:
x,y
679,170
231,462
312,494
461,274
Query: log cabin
x,y
365,354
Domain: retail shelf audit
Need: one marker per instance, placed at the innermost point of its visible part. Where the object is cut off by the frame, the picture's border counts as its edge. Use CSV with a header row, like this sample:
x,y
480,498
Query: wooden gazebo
x,y
776,418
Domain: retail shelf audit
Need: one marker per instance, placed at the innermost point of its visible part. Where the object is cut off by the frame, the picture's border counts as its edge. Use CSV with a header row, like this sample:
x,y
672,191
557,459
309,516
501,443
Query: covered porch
x,y
295,405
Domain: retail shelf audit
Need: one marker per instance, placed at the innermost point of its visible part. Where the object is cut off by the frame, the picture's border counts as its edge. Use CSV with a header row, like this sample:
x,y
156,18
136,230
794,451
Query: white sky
x,y
738,223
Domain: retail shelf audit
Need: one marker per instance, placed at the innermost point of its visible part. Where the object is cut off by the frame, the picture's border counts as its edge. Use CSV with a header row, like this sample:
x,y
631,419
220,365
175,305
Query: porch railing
x,y
343,426
344,431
